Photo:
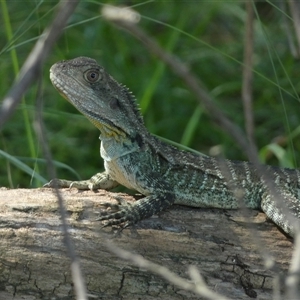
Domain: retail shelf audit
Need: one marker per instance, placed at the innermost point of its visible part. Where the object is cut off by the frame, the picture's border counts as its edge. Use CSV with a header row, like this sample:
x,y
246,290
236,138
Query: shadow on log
x,y
232,253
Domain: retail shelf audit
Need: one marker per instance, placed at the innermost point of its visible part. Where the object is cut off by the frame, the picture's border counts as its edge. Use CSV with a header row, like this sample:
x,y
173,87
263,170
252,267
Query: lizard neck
x,y
109,132
115,142
112,148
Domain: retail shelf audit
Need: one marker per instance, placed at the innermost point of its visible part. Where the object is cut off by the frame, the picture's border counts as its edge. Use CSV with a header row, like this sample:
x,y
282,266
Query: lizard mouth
x,y
63,89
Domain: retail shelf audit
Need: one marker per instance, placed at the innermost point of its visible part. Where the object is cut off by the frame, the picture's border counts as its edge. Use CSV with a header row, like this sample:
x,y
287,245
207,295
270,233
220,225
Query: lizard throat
x,y
108,131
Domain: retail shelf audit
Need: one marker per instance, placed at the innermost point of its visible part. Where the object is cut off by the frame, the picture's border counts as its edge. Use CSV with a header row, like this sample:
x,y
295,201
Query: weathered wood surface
x,y
226,249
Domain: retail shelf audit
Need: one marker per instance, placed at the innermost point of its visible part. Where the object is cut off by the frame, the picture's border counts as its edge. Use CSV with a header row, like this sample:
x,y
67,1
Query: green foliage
x,y
207,35
21,166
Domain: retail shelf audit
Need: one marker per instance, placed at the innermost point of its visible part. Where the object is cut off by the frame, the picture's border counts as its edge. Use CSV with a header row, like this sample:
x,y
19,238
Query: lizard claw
x,y
120,213
58,183
98,181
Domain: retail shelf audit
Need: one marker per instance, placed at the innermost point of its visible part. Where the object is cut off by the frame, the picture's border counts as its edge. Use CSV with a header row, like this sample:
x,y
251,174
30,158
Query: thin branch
x,y
77,277
286,27
295,12
179,68
197,285
248,75
293,277
34,61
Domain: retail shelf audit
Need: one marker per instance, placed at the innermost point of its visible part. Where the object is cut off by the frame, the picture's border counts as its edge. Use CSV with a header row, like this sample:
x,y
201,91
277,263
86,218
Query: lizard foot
x,y
62,183
58,183
118,214
130,213
98,181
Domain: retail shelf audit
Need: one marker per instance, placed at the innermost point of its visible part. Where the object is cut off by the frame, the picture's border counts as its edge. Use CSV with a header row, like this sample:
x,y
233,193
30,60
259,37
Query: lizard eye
x,y
92,76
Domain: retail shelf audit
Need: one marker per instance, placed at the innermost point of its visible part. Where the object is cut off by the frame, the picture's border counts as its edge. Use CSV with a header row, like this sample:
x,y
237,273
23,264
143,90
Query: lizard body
x,y
162,173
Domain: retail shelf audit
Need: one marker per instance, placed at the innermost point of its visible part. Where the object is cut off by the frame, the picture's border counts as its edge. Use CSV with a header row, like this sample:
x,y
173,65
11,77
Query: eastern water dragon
x,y
163,174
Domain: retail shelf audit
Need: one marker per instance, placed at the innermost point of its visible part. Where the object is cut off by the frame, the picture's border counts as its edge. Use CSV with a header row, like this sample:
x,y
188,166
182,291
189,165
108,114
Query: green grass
x,y
208,38
31,142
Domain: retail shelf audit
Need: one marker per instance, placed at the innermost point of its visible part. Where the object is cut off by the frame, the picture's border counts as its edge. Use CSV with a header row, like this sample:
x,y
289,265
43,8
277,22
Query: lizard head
x,y
109,105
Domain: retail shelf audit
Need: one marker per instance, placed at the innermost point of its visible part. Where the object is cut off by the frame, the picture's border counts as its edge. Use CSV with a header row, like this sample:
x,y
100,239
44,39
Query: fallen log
x,y
238,257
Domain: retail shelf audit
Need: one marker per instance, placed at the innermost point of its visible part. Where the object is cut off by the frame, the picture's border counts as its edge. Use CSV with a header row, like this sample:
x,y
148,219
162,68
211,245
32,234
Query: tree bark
x,y
233,253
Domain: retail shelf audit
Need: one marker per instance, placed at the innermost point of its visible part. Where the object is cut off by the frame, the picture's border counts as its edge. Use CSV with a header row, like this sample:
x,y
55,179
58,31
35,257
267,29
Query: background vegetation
x,y
206,35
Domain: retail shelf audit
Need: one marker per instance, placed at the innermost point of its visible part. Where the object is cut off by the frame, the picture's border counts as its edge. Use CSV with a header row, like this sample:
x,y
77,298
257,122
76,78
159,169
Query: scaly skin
x,y
165,175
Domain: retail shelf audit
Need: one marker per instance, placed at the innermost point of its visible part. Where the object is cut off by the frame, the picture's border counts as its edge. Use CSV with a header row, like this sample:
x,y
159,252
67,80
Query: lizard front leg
x,y
98,181
129,214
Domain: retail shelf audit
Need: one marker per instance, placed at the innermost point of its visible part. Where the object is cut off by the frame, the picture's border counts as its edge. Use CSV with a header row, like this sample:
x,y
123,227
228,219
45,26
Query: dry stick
x,y
191,81
34,61
126,18
295,12
197,285
286,26
293,278
77,277
247,100
248,75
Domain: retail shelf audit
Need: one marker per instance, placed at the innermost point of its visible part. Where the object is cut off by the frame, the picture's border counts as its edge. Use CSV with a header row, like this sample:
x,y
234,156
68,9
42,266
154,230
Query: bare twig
x,y
248,75
33,63
286,26
77,277
249,119
293,277
295,12
181,70
197,285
